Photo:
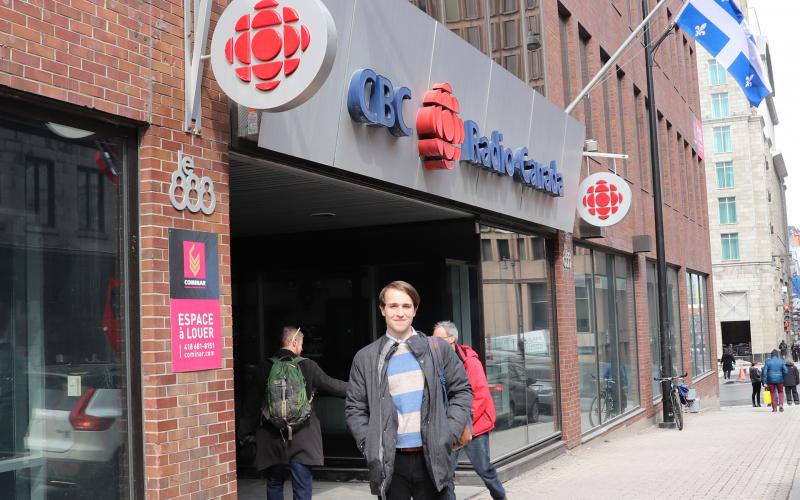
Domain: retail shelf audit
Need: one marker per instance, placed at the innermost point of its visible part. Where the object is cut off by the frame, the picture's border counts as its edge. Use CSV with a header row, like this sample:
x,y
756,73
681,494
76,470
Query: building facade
x,y
745,175
313,212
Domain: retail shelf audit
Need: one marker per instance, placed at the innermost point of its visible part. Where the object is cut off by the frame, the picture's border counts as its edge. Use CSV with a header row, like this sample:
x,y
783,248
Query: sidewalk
x,y
735,452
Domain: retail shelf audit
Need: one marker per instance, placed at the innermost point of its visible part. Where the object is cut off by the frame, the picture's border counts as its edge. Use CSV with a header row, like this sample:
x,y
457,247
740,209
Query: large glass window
x,y
607,349
727,210
675,342
520,348
716,73
719,105
725,174
730,246
698,323
722,139
63,410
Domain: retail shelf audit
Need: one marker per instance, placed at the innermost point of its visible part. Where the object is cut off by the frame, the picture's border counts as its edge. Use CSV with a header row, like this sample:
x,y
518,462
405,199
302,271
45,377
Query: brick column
x,y
643,332
570,401
189,421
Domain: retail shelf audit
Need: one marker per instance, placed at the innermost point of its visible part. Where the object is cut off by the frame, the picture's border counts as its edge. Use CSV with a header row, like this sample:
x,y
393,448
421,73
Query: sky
x,y
779,21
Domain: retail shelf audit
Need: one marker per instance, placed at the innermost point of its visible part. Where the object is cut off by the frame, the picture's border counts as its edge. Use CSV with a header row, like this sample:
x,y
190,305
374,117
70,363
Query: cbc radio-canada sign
x,y
603,199
273,55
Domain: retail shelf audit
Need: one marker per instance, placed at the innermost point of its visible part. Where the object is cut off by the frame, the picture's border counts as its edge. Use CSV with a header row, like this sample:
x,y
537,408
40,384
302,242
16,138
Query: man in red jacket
x,y
483,414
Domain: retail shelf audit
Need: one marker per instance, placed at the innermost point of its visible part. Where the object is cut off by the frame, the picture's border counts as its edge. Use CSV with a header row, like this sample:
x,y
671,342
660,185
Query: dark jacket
x,y
773,371
372,417
792,377
306,444
727,361
755,374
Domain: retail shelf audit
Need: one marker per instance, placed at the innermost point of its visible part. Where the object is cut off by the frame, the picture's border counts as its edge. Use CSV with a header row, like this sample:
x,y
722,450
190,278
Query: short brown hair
x,y
290,333
402,286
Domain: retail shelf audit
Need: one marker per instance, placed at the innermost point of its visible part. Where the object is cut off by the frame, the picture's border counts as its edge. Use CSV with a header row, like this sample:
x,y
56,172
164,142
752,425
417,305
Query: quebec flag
x,y
719,26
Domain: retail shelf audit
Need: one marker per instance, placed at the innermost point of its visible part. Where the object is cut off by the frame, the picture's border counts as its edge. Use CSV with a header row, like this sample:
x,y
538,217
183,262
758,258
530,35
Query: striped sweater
x,y
406,383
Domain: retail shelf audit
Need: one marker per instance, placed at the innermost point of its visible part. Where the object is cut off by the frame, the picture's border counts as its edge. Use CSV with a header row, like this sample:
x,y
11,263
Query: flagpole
x,y
615,56
661,261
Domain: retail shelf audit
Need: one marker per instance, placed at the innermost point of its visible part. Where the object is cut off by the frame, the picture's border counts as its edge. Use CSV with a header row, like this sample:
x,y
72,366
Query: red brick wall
x,y
125,58
570,401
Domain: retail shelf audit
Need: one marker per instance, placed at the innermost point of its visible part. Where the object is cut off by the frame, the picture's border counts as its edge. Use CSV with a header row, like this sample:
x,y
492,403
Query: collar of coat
x,y
417,343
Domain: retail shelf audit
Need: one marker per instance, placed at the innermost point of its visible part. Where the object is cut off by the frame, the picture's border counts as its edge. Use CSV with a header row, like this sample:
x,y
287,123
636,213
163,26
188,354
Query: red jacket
x,y
483,413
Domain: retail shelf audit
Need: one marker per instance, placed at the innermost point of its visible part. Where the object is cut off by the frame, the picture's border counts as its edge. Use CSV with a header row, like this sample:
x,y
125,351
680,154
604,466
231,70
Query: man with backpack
x,y
280,408
408,404
483,414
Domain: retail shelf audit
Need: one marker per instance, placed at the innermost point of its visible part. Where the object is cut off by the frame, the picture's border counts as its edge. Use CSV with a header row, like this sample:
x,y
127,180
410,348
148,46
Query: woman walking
x,y
755,379
772,375
727,364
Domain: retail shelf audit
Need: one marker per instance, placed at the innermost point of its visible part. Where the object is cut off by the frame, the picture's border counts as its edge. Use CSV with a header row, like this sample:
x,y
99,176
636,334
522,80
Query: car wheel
x,y
533,412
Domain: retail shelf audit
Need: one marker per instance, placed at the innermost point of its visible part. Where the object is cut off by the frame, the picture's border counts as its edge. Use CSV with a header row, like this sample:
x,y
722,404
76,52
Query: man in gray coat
x,y
396,408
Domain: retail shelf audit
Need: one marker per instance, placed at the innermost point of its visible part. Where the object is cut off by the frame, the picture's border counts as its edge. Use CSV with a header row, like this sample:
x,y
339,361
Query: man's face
x,y
441,332
399,311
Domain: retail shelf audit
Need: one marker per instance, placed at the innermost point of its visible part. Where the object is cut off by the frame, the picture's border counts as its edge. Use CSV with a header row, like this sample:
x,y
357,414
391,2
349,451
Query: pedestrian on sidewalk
x,y
755,379
279,452
796,351
783,347
727,364
772,375
483,414
395,405
790,381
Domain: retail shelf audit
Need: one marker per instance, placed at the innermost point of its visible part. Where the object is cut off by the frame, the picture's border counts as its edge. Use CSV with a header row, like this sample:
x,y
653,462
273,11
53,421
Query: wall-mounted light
x,y
533,41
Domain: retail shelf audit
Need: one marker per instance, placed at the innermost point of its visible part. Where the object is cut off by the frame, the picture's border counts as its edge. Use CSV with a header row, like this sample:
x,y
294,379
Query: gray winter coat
x,y
369,410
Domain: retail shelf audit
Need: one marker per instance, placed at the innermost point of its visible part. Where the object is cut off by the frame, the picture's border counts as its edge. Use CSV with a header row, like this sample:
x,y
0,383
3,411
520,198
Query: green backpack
x,y
287,404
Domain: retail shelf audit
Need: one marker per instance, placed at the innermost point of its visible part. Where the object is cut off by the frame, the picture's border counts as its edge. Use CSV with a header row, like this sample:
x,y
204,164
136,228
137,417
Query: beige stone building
x,y
745,176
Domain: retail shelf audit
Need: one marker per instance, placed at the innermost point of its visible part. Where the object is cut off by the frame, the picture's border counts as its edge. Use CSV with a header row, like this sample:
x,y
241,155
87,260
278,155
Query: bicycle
x,y
676,397
606,401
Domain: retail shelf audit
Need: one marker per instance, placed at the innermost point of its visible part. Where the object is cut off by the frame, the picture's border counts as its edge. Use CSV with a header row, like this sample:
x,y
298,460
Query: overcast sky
x,y
780,22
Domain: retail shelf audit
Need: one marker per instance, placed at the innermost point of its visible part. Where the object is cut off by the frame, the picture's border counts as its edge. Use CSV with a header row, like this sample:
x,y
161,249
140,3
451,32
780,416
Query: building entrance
x,y
293,265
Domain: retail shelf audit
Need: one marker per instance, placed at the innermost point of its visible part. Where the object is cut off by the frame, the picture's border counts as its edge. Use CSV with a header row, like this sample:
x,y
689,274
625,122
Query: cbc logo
x,y
273,55
193,189
261,38
441,131
603,199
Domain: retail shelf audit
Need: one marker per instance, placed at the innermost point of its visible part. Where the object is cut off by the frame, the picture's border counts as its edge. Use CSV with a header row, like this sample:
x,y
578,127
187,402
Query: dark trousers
x,y
726,374
301,481
411,479
791,394
478,453
756,393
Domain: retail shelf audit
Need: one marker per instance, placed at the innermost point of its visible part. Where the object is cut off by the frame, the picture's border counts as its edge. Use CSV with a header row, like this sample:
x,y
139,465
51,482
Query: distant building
x,y
746,209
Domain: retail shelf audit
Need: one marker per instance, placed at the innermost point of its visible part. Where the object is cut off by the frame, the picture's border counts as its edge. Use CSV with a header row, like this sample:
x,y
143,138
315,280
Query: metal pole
x,y
615,56
661,262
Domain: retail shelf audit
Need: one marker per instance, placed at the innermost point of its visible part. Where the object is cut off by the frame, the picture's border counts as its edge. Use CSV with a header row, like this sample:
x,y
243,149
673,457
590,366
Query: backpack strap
x,y
438,363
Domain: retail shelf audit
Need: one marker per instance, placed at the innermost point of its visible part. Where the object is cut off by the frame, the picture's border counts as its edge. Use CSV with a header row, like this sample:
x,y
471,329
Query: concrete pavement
x,y
735,452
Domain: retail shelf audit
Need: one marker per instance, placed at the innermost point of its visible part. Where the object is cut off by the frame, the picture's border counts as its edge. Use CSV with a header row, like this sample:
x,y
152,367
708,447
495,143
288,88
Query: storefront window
x,y
63,418
698,323
676,342
520,349
607,350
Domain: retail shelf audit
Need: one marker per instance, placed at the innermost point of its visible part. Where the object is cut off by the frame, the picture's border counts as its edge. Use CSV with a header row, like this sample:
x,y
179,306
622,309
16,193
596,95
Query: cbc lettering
x,y
489,153
372,99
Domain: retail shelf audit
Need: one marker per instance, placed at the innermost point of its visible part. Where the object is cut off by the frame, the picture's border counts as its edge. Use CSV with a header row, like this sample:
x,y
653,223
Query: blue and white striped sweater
x,y
406,383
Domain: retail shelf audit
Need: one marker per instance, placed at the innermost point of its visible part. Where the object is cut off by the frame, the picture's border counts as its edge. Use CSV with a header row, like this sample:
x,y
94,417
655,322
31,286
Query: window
x,y
637,121
716,73
585,76
725,174
472,9
719,105
474,37
538,249
90,194
563,37
486,249
521,253
730,246
452,10
727,210
607,105
511,64
621,117
722,139
503,250
510,6
40,192
698,324
510,34
531,4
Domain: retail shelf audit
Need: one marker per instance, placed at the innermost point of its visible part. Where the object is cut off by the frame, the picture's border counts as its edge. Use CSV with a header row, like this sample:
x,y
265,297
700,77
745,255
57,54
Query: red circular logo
x,y
260,38
441,131
602,199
